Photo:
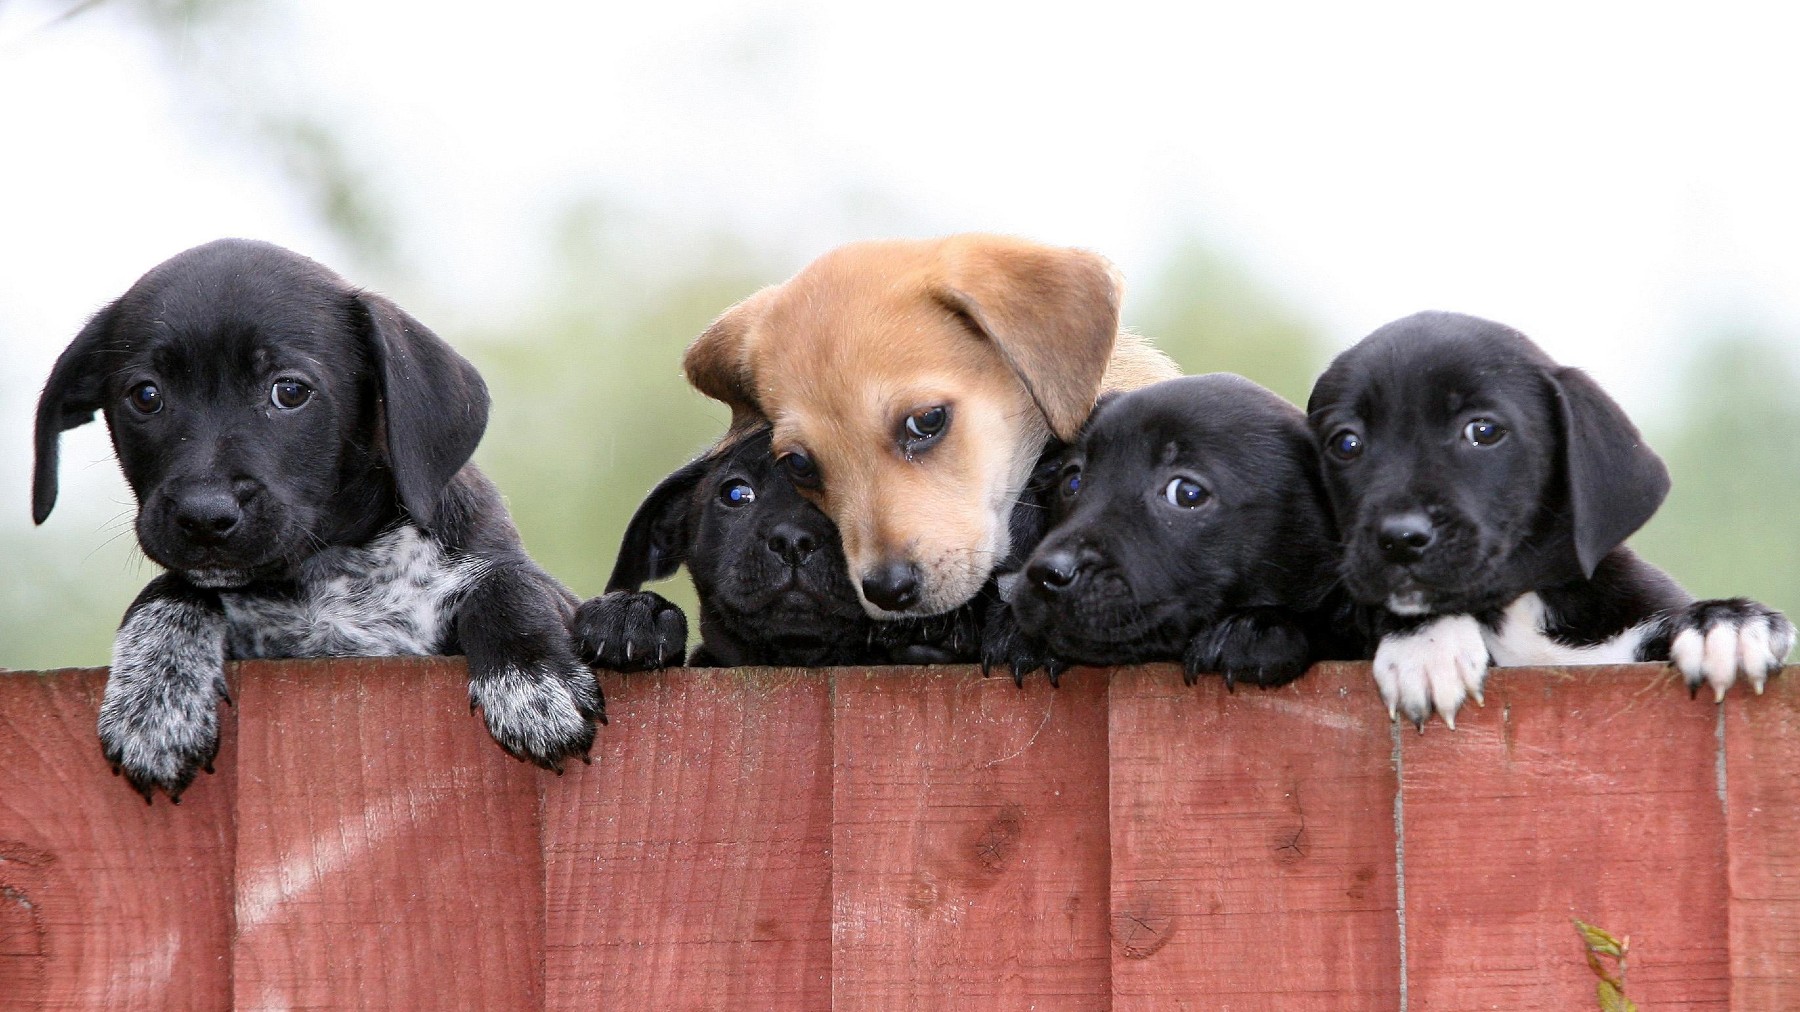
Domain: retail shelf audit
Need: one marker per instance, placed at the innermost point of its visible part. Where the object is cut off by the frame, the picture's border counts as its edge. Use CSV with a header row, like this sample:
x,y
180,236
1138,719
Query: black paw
x,y
1262,646
630,631
1004,645
1718,642
542,712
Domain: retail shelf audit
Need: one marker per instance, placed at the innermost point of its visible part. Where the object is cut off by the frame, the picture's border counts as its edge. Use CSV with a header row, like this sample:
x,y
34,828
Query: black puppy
x,y
773,585
298,449
1484,493
1190,524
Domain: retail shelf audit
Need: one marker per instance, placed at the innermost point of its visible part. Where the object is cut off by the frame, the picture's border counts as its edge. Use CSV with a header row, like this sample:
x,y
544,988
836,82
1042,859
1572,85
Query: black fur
x,y
773,585
252,505
1483,471
1241,582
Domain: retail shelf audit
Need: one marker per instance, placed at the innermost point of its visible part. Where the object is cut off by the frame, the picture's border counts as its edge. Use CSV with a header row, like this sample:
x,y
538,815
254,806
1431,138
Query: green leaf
x,y
1599,940
1612,999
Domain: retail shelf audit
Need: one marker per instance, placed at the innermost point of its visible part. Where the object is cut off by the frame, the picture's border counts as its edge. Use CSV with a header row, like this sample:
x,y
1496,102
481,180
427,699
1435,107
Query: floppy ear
x,y
434,405
1052,313
70,398
656,540
1615,481
717,362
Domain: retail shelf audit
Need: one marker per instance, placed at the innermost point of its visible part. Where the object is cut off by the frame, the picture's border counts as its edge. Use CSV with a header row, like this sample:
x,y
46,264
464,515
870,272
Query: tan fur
x,y
1018,339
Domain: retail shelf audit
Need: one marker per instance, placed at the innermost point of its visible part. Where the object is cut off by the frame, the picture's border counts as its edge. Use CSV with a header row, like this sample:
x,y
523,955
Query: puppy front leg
x,y
539,700
159,717
1005,645
630,631
1267,646
1434,664
1718,641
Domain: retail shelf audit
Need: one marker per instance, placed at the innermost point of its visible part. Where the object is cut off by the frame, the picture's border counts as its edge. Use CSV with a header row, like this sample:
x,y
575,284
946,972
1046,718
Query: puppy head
x,y
1466,467
261,407
766,562
1180,500
911,386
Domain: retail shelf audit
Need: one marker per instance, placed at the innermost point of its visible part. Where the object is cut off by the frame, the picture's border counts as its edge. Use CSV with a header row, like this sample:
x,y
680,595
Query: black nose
x,y
208,516
1404,537
894,586
792,543
1054,571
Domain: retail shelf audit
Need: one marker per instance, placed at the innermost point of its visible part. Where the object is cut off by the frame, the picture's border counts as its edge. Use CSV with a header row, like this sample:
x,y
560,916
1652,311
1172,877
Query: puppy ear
x,y
717,362
656,540
1052,313
1615,481
70,398
434,405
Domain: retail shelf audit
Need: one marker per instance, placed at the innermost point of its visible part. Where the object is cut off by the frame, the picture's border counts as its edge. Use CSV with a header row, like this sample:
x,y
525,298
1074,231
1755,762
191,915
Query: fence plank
x,y
1252,844
689,867
969,841
1584,792
1762,751
387,850
105,902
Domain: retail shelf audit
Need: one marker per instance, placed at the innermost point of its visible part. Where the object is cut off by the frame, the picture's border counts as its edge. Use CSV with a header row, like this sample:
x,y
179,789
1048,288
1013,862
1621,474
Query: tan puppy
x,y
912,386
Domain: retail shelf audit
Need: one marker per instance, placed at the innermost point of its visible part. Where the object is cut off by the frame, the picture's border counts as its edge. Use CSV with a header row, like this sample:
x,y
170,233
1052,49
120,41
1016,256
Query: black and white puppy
x,y
299,449
770,573
1190,524
1484,493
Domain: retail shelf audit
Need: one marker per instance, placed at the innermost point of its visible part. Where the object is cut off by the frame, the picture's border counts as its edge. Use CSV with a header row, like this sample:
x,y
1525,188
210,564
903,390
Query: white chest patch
x,y
1520,640
394,595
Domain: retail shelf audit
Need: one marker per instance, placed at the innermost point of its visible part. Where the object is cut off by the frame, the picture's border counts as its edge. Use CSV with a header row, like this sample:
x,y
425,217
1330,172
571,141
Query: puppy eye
x,y
1483,432
927,424
1345,445
737,493
288,393
800,469
146,398
1071,483
1185,492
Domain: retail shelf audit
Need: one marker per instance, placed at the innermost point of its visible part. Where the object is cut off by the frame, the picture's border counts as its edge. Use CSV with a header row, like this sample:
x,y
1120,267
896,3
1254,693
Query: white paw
x,y
1717,642
540,713
159,717
1434,666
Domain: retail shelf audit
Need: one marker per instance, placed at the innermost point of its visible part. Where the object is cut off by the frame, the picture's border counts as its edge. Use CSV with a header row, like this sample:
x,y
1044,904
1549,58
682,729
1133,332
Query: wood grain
x,y
1762,804
969,841
689,867
105,902
1252,844
387,849
1582,792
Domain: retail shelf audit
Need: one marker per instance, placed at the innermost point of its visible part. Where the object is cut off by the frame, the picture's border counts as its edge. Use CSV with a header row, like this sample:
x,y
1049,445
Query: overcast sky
x,y
1612,179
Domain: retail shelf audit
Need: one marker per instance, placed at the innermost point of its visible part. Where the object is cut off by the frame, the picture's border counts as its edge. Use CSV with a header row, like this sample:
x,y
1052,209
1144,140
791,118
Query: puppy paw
x,y
1718,642
1005,646
1261,646
626,631
540,712
159,717
1435,665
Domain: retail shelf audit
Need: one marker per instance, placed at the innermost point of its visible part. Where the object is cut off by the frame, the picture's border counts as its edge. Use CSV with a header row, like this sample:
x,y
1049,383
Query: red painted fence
x,y
910,838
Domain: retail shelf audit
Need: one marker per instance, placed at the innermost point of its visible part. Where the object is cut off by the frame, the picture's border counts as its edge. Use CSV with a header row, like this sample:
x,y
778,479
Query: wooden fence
x,y
910,838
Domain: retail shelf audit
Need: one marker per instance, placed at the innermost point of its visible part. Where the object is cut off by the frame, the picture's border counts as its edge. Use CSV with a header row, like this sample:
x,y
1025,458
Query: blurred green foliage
x,y
590,408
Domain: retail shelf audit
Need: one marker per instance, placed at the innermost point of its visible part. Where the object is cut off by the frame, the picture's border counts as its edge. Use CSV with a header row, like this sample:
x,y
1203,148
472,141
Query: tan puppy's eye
x,y
924,427
800,469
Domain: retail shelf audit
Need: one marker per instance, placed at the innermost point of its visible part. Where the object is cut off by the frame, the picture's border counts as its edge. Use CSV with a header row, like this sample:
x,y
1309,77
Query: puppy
x,y
1190,524
1484,493
299,449
913,385
770,575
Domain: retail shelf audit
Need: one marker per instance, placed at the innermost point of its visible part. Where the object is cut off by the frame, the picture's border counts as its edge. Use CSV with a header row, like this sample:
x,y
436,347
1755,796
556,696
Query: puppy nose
x,y
893,586
792,543
1403,538
210,515
1054,571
